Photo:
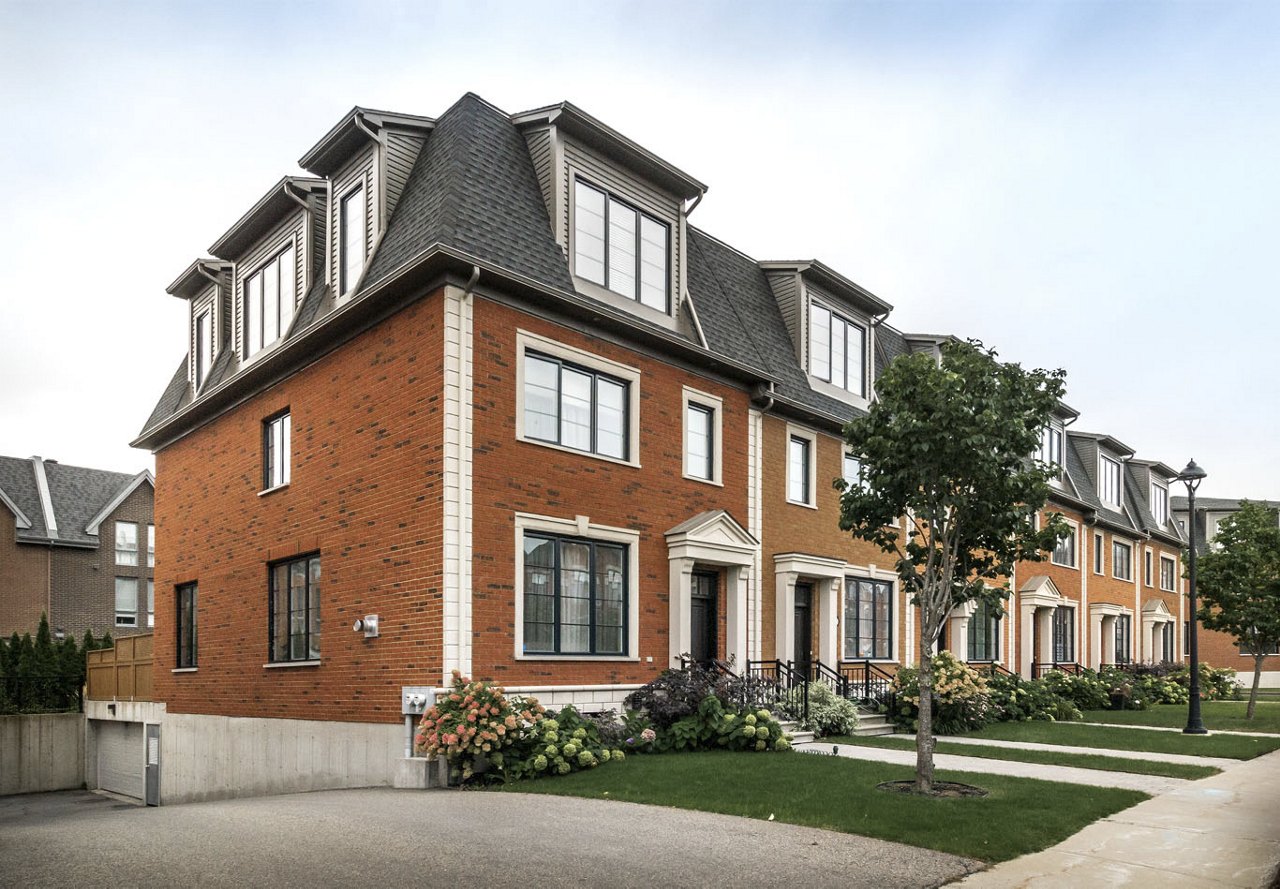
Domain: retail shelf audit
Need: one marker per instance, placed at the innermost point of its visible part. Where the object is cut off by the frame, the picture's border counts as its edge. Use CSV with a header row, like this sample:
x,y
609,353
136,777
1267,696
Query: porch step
x,y
797,736
871,725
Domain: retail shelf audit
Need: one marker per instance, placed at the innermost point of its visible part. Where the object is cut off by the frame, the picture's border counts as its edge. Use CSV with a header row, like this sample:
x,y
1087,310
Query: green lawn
x,y
1225,716
1019,816
1076,734
1044,757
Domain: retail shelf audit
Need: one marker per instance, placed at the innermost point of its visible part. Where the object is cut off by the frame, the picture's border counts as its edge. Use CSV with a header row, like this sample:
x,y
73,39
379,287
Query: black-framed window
x,y
1168,574
576,407
294,612
984,634
351,235
1166,643
868,618
620,247
1124,639
1121,560
187,624
700,431
1098,551
837,349
268,301
1148,574
1186,638
1064,553
799,457
277,436
1064,635
575,596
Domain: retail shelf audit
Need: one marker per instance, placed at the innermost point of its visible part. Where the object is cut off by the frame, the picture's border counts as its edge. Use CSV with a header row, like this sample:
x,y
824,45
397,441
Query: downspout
x,y
471,282
684,275
762,396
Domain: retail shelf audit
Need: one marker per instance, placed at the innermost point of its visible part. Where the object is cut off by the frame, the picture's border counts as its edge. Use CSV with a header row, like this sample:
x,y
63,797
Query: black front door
x,y
804,625
702,617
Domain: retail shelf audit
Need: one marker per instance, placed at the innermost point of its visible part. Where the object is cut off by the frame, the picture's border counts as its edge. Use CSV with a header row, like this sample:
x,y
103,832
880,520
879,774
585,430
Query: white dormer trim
x,y
96,522
814,297
20,517
1118,504
46,500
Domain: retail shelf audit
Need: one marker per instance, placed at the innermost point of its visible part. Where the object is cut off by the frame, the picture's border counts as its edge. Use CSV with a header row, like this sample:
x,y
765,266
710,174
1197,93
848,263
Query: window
x,y
126,543
151,546
1065,552
619,247
575,596
1064,635
1098,566
799,466
984,633
837,349
575,407
351,237
1168,574
1159,503
1124,639
699,456
151,603
204,345
1148,575
268,302
1109,481
868,618
187,625
126,601
1166,643
1051,448
851,471
1186,638
294,631
276,435
1121,560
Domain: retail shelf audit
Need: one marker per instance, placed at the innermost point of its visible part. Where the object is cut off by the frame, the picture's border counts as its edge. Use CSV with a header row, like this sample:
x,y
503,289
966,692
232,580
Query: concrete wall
x,y
41,752
219,757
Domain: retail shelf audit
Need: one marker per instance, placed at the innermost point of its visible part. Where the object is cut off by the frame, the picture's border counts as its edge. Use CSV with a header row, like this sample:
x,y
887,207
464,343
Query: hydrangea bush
x,y
568,743
960,699
473,724
829,714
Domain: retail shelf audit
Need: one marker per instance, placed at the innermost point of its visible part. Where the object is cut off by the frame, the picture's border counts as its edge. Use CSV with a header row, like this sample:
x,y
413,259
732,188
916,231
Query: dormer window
x,y
268,302
352,237
203,345
837,350
1051,448
1159,503
1109,481
620,248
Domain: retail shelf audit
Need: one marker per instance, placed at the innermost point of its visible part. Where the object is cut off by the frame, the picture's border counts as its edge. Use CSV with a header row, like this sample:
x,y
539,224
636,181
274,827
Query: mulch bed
x,y
941,789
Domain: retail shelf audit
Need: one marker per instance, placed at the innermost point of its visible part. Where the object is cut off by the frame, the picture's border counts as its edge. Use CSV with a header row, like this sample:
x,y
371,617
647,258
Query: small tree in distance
x,y
1239,585
949,446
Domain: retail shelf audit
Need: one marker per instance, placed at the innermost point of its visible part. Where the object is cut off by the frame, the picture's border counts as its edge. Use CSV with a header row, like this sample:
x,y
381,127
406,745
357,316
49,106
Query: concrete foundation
x,y
41,752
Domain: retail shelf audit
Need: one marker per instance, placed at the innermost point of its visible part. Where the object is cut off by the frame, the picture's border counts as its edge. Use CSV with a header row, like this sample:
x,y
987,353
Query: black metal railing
x,y
867,683
993,669
1040,670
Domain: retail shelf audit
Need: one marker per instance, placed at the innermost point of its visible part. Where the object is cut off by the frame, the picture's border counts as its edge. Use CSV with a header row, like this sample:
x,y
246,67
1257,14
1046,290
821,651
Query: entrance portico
x,y
1038,598
714,540
825,578
1155,617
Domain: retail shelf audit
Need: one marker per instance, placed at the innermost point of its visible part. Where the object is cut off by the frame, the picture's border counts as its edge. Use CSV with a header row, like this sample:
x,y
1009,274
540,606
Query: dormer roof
x,y
357,127
822,275
576,123
1157,469
1114,445
1066,413
283,198
196,277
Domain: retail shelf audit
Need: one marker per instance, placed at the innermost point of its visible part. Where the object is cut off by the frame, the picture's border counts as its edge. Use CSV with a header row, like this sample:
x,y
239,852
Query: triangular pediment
x,y
1040,591
1156,608
712,528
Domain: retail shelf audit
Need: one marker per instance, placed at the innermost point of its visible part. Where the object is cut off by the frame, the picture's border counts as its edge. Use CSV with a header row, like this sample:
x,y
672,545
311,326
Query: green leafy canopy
x,y
1239,581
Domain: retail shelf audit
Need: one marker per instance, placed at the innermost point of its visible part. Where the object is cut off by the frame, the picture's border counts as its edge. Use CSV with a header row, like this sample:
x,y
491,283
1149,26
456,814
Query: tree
x,y
947,445
1239,585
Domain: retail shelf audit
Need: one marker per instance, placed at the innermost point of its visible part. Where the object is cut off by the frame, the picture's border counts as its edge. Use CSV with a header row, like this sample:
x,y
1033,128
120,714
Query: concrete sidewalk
x,y
1165,728
1217,762
1219,831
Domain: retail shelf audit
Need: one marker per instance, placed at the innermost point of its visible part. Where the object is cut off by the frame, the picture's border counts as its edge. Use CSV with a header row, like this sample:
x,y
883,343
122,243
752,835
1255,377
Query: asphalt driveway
x,y
387,837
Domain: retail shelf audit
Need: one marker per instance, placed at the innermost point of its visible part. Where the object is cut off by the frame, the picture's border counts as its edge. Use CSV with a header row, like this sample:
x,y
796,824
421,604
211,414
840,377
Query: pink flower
x,y
471,717
511,722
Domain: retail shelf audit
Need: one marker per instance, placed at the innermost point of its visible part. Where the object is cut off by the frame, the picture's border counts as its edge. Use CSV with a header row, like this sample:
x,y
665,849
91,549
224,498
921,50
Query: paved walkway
x,y
1218,831
1178,758
952,762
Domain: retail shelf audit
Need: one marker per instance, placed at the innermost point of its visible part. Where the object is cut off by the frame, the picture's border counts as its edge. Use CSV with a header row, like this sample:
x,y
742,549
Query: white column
x,y
1095,640
1108,639
958,636
1028,637
829,621
1044,616
737,580
784,622
680,597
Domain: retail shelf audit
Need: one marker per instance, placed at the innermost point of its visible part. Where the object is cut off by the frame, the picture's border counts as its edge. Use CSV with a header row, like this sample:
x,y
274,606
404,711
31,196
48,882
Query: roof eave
x,y
120,497
347,135
193,279
825,276
269,209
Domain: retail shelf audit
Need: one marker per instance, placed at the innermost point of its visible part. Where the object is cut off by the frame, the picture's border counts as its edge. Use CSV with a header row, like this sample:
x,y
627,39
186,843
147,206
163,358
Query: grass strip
x,y
1078,734
1222,716
1041,757
1020,815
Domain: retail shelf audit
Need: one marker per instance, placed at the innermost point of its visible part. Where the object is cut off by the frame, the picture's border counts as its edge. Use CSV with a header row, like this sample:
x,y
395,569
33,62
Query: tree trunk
x,y
1257,680
924,733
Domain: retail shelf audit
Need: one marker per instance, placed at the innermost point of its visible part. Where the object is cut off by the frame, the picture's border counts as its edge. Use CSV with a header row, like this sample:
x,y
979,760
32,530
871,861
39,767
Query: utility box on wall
x,y
416,699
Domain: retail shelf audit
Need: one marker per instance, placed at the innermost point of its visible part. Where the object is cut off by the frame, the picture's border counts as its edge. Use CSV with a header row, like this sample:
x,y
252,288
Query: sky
x,y
1091,186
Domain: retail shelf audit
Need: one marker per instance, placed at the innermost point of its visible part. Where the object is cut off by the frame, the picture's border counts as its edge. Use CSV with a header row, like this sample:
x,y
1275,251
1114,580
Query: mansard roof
x,y
57,502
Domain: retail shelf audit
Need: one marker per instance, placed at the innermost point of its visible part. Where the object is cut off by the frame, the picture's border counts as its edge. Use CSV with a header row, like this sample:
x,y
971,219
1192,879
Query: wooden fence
x,y
122,673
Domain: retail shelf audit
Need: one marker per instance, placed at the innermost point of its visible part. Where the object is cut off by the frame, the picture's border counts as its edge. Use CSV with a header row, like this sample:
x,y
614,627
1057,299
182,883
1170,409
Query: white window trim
x,y
812,437
137,592
1132,549
716,405
1075,531
136,546
859,572
1119,503
529,341
1174,562
1152,494
868,351
357,184
242,295
579,526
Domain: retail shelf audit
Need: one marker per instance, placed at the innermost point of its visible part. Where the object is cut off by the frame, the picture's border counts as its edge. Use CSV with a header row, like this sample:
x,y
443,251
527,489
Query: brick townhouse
x,y
76,544
480,377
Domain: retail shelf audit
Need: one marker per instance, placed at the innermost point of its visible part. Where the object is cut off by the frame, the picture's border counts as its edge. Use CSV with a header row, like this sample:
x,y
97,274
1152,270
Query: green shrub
x,y
715,726
960,700
1022,700
568,743
829,714
1086,690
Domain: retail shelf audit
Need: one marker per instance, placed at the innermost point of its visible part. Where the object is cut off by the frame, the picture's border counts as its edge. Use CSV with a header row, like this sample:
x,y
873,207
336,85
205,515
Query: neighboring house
x,y
76,544
1216,648
480,377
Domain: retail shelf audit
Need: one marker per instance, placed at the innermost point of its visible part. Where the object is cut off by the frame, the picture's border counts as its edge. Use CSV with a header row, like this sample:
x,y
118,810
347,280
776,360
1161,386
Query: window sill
x,y
800,503
273,490
706,481
183,670
580,658
1068,567
287,664
588,454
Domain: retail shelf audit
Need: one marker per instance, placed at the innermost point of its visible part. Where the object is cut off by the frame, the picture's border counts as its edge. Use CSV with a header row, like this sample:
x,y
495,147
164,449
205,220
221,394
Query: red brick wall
x,y
24,580
365,492
513,476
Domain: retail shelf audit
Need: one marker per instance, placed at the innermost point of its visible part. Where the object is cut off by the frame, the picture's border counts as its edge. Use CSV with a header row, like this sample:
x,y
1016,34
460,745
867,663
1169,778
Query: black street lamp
x,y
1191,477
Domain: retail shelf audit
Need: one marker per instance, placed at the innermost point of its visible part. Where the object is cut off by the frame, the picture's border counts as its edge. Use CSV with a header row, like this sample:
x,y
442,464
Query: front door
x,y
702,617
804,626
